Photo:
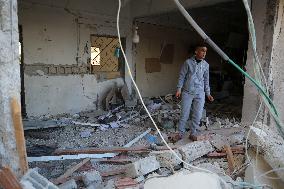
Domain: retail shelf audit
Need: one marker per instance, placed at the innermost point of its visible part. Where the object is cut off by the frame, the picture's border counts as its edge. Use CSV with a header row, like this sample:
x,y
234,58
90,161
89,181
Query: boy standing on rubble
x,y
193,85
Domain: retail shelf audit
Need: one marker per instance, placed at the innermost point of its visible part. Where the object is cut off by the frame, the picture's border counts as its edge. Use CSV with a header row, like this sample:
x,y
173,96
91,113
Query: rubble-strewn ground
x,y
117,127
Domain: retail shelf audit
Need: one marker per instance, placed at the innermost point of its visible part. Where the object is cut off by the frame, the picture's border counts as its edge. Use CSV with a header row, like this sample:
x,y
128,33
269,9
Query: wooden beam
x,y
109,150
81,156
69,172
114,172
230,157
19,135
8,180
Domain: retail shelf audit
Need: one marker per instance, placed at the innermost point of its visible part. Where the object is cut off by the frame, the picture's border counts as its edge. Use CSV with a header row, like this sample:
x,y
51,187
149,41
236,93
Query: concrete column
x,y
264,14
277,61
9,81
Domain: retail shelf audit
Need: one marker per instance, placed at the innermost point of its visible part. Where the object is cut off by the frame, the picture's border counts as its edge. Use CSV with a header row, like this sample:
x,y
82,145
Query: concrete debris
x,y
195,150
102,136
167,158
86,133
142,167
110,184
95,186
218,141
92,177
270,144
70,184
32,179
215,168
184,179
140,179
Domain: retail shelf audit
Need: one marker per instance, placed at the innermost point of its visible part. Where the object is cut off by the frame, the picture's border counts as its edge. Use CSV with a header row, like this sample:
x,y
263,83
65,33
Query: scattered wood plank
x,y
8,180
122,161
223,153
230,157
70,171
19,135
124,183
81,156
114,172
108,150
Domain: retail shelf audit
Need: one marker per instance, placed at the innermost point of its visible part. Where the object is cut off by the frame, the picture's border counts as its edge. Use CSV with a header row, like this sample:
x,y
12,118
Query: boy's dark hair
x,y
202,44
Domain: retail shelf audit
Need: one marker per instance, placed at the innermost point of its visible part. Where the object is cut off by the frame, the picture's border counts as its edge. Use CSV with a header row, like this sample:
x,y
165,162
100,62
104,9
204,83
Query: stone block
x,y
92,177
82,69
68,70
52,70
36,180
61,70
142,167
195,150
75,70
167,158
70,184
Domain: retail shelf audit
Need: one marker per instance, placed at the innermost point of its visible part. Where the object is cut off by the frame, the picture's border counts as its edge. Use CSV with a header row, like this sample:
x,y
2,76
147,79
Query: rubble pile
x,y
129,154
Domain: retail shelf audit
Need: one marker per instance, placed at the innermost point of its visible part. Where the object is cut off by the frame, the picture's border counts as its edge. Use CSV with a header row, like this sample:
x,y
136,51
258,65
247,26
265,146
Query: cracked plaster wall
x,y
58,35
268,19
9,82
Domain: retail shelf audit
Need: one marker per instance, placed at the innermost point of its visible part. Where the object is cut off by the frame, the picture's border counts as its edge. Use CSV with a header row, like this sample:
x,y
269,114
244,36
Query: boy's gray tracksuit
x,y
194,83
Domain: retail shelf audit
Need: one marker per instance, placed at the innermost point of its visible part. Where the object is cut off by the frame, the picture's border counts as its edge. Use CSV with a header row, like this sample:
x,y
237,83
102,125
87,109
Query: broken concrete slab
x,y
70,184
167,158
270,144
34,179
195,150
92,177
183,179
142,167
218,141
215,168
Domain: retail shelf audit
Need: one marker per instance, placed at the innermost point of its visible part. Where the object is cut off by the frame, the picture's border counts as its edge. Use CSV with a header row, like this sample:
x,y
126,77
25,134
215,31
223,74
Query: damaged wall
x,y
278,59
268,20
59,34
171,28
152,38
9,82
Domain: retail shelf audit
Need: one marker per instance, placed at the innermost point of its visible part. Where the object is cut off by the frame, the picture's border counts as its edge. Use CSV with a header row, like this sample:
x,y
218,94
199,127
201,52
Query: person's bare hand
x,y
210,98
178,93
